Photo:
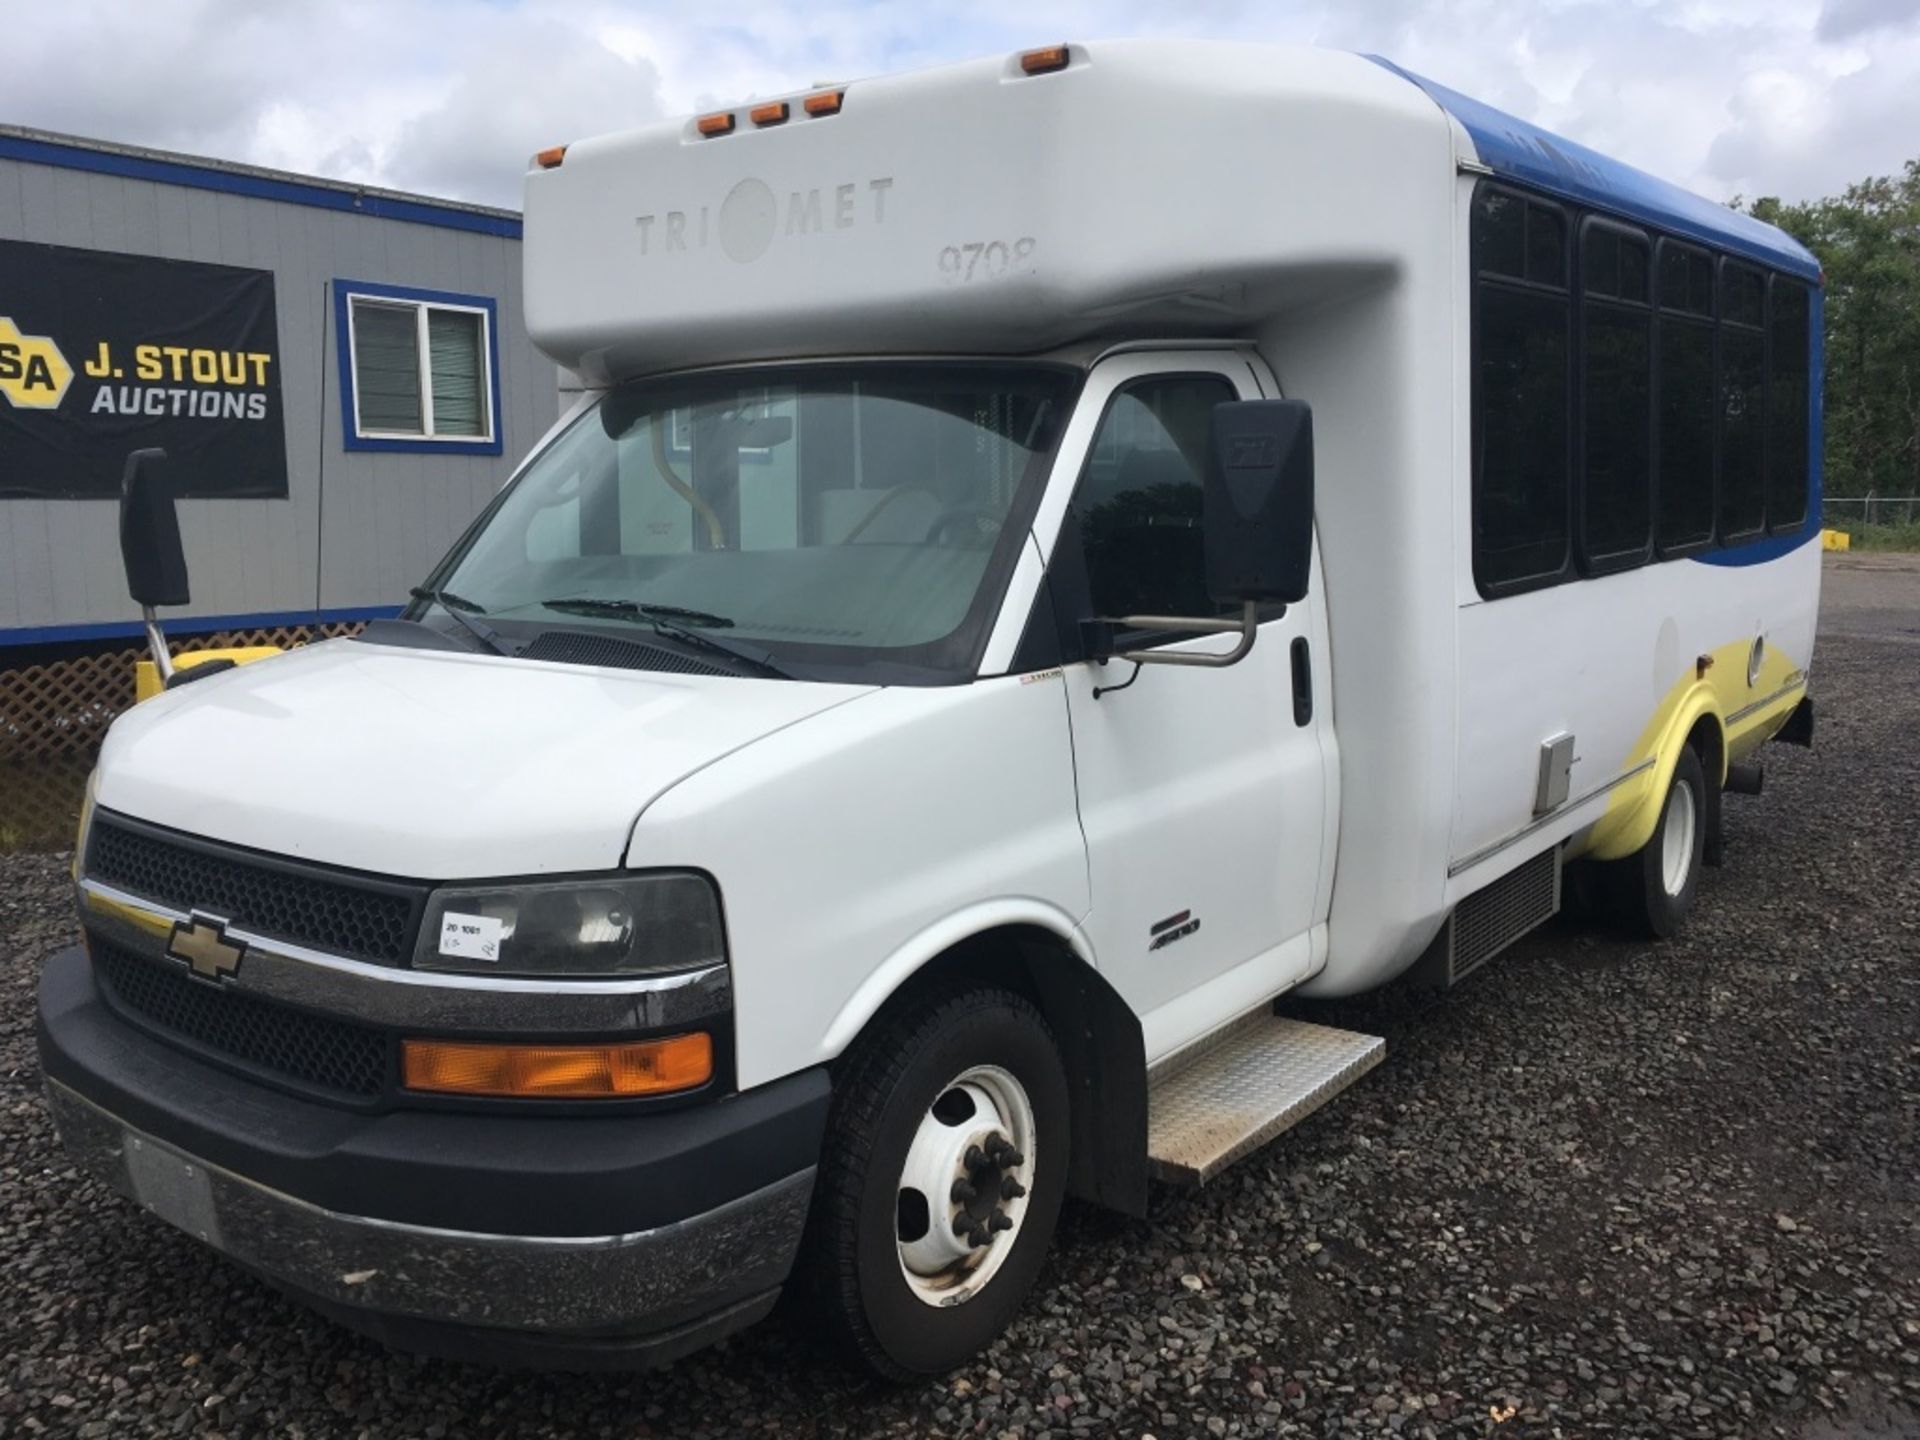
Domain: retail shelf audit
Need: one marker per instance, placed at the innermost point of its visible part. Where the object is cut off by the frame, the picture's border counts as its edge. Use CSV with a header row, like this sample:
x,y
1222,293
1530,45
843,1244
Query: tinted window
x,y
1522,392
1684,469
1138,502
1741,294
1743,353
1499,232
1616,400
1788,411
1520,476
1686,279
1613,263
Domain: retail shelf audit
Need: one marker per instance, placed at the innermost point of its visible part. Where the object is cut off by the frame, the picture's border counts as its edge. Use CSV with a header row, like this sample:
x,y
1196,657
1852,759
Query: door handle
x,y
1302,681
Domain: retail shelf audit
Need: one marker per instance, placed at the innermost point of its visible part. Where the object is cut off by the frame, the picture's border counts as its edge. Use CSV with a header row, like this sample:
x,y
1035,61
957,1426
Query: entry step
x,y
1263,1077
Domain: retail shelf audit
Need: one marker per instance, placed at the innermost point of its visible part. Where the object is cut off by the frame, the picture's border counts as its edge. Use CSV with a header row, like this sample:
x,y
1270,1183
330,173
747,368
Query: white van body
x,y
1291,223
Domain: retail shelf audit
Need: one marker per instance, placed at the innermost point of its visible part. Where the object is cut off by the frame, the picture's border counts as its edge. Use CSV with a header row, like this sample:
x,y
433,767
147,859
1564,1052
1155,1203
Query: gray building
x,y
341,376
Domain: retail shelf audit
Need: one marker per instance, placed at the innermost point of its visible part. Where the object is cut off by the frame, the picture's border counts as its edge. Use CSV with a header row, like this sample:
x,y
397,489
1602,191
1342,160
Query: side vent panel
x,y
1489,920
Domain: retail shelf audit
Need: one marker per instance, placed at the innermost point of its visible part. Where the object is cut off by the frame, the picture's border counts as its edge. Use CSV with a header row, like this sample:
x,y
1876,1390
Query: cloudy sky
x,y
1731,97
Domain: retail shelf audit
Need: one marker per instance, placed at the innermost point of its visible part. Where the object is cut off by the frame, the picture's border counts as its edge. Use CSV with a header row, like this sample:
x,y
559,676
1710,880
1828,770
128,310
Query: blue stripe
x,y
1515,150
194,624
1759,552
257,187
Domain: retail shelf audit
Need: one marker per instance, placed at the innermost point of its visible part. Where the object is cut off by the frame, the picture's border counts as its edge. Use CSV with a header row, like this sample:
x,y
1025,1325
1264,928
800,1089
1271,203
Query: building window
x,y
1616,384
1522,392
1788,404
419,369
1685,402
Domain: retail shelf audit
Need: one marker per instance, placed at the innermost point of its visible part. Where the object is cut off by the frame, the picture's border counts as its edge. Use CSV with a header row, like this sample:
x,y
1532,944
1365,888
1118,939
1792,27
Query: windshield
x,y
822,517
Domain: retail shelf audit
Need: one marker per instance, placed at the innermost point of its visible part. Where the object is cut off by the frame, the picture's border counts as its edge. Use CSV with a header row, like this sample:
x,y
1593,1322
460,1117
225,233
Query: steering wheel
x,y
983,526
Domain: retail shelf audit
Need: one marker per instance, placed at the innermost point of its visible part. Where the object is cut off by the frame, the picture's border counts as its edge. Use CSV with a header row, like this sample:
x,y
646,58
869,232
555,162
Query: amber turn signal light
x,y
1045,62
774,113
558,1072
550,158
827,102
719,123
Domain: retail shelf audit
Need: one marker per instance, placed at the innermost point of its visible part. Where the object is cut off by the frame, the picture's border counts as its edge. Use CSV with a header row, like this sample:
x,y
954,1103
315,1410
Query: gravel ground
x,y
1603,1189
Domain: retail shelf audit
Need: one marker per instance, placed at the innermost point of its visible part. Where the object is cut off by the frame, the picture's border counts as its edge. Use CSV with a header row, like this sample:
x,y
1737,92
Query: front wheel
x,y
1652,890
943,1174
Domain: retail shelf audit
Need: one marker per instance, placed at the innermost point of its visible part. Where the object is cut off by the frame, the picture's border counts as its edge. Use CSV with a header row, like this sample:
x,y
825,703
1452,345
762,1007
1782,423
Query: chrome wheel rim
x,y
965,1187
1676,841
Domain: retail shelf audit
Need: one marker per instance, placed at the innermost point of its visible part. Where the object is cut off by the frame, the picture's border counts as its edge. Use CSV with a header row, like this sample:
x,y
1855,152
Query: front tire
x,y
941,1181
1653,889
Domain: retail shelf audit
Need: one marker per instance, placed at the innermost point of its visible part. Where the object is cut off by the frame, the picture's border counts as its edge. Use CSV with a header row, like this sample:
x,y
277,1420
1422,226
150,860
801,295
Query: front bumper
x,y
569,1240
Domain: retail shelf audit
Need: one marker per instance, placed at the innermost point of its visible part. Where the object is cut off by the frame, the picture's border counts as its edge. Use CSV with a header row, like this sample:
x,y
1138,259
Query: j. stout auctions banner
x,y
103,353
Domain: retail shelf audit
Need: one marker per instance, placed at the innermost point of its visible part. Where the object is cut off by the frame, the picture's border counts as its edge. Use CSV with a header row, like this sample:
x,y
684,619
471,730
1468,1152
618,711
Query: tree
x,y
1868,244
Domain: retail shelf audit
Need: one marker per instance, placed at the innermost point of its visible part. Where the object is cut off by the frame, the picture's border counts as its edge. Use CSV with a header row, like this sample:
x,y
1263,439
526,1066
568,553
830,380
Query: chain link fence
x,y
1842,512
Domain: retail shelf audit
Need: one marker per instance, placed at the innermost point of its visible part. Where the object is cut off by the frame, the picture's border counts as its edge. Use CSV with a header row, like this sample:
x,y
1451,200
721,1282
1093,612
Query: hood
x,y
429,764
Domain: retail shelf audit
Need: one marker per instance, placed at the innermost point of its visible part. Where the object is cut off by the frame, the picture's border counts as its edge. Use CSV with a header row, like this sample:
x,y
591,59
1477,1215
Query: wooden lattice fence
x,y
53,716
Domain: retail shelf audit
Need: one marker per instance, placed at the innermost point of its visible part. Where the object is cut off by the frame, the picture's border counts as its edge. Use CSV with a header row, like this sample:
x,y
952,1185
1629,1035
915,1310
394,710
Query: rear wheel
x,y
1652,891
942,1178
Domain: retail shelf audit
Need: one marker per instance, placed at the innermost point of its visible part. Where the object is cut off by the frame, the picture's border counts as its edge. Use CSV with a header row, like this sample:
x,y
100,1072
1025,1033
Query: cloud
x,y
1849,19
1788,97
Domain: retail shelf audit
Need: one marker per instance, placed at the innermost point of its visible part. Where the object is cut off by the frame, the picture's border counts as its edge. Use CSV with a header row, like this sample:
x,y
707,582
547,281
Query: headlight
x,y
621,925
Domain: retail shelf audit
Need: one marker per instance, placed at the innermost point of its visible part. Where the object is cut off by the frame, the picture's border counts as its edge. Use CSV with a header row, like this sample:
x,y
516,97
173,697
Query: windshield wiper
x,y
461,609
676,623
588,605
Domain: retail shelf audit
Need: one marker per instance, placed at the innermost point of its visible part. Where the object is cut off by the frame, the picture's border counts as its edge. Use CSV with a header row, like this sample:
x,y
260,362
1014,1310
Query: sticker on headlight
x,y
472,937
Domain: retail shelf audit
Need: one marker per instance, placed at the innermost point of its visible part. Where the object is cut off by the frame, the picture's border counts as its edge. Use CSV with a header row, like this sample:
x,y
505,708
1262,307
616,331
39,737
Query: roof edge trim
x,y
66,152
1527,155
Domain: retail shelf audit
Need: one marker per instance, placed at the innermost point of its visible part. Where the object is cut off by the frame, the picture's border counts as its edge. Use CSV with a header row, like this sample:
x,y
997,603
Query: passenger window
x,y
1616,517
1686,280
1788,407
1522,395
1137,505
1684,470
1742,407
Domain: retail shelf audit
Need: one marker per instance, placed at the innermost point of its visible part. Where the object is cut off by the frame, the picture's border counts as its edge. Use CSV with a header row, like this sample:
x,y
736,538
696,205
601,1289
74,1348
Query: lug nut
x,y
999,1220
962,1224
962,1192
1011,1189
975,1157
978,1236
1012,1158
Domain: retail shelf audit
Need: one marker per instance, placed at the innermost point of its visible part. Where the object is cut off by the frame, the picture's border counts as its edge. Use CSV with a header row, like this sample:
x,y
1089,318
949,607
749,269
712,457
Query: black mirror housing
x,y
1259,501
150,532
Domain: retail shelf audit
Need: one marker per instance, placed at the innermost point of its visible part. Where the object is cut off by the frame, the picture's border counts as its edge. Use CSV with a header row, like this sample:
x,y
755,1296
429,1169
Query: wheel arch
x,y
1694,722
1101,1044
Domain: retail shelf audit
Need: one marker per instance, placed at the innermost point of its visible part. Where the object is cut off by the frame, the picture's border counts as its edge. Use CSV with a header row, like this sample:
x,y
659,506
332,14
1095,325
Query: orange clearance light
x,y
558,1072
1045,62
720,123
774,113
550,158
827,102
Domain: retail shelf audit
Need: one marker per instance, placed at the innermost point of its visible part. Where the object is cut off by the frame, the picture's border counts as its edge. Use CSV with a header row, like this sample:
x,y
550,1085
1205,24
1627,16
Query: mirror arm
x,y
1247,627
157,643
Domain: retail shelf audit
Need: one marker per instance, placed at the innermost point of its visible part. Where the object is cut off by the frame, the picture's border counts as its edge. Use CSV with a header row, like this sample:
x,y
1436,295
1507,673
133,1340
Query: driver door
x,y
1203,793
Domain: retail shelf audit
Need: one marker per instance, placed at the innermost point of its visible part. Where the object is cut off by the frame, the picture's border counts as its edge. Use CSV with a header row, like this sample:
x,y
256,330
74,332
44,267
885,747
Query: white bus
x,y
1055,553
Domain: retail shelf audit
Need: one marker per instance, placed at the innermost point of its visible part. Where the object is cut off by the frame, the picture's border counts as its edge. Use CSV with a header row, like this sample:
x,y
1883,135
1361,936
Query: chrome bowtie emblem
x,y
202,942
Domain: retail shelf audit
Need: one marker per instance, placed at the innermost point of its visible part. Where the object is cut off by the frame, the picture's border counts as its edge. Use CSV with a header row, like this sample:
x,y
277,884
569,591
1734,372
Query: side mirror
x,y
150,547
150,533
1258,517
